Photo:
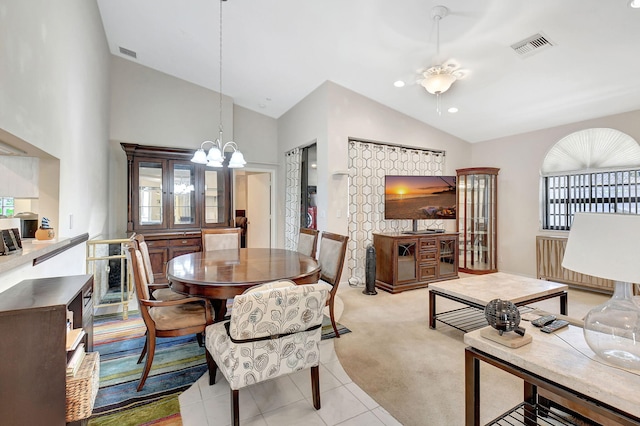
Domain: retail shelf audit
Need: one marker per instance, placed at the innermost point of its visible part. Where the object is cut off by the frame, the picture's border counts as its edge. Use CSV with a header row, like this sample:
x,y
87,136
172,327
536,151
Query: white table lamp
x,y
606,245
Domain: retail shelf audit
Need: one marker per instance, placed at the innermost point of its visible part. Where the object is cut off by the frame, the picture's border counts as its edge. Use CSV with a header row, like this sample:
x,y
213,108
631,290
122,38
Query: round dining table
x,y
219,275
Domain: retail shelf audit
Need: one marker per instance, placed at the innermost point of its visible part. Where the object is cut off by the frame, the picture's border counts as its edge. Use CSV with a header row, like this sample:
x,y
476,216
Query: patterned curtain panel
x,y
369,163
292,199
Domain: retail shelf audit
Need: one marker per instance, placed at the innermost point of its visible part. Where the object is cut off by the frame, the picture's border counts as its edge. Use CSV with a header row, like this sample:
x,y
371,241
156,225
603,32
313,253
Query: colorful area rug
x,y
177,364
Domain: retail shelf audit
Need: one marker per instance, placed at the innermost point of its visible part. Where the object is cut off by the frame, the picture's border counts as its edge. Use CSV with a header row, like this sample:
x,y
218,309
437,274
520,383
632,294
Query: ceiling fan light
x,y
438,83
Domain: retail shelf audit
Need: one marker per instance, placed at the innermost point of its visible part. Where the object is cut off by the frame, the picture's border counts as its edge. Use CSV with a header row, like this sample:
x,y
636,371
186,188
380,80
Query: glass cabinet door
x,y
477,227
168,192
150,193
447,257
184,194
214,197
407,260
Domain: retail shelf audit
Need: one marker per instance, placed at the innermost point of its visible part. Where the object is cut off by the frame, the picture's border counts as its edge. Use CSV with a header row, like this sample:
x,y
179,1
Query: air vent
x,y
532,45
128,52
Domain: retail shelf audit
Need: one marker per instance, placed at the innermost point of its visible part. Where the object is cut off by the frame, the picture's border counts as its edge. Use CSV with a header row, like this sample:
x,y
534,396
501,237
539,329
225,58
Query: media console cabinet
x,y
410,261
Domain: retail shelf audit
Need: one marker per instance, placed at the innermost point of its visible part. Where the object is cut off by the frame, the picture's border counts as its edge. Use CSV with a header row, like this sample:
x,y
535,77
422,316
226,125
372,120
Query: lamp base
x,y
612,329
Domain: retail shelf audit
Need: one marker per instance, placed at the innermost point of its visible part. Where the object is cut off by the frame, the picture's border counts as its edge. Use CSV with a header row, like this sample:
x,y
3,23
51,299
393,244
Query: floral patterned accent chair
x,y
275,329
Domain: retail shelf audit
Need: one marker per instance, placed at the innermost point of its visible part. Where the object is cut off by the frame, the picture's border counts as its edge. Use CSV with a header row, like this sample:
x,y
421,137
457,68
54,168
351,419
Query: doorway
x,y
253,199
308,187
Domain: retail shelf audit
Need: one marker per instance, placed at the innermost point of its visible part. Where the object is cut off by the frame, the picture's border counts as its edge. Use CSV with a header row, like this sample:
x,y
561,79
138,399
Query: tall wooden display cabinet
x,y
477,219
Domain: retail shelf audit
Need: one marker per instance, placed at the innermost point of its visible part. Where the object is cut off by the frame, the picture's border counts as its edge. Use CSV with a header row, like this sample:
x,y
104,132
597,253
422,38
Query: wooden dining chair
x,y
275,329
170,318
158,291
221,238
308,241
333,248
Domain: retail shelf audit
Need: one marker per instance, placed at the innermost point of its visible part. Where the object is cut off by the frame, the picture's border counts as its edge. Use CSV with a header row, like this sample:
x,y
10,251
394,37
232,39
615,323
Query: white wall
x,y
331,115
301,126
519,158
256,136
354,116
152,108
55,97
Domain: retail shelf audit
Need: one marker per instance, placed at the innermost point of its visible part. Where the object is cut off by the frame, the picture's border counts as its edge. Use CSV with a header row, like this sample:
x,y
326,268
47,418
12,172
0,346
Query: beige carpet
x,y
415,373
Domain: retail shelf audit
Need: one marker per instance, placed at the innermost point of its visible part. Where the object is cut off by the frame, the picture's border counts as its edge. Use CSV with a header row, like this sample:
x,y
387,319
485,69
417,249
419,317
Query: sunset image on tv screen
x,y
420,197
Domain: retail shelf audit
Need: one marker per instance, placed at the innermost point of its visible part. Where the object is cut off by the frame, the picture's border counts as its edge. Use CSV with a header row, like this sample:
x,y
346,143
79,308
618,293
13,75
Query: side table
x,y
560,363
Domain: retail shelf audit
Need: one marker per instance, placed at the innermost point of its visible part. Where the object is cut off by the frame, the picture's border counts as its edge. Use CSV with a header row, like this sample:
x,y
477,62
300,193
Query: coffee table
x,y
475,292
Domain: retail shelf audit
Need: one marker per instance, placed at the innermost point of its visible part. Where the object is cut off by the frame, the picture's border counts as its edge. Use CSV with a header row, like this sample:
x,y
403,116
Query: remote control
x,y
556,325
542,321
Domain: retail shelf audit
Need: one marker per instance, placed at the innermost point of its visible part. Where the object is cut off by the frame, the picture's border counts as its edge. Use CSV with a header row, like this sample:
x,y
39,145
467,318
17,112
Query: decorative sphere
x,y
502,315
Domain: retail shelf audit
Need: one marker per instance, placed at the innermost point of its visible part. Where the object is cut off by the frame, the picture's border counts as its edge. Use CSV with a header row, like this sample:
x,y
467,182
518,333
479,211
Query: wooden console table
x,y
33,317
561,363
409,261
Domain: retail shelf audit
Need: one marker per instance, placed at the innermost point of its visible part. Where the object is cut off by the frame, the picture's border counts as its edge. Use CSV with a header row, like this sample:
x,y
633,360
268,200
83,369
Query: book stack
x,y
75,350
76,360
74,337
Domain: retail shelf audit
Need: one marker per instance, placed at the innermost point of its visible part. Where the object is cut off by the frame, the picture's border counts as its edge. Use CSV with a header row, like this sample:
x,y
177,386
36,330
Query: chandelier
x,y
215,156
439,78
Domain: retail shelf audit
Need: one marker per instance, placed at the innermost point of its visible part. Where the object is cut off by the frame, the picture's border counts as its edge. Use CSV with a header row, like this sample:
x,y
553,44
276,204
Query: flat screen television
x,y
420,197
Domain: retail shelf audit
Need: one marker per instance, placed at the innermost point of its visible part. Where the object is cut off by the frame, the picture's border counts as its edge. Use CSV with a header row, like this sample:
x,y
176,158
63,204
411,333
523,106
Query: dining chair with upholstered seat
x,y
221,238
158,291
170,318
333,248
275,329
308,241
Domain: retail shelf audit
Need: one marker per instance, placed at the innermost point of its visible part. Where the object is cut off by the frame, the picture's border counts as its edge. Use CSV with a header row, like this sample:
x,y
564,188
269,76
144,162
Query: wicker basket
x,y
83,387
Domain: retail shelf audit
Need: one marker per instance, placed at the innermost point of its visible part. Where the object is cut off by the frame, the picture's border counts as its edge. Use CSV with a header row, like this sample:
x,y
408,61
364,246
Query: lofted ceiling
x,y
276,52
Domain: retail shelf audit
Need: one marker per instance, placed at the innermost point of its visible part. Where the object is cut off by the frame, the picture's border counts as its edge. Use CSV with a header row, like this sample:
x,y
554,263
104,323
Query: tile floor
x,y
286,400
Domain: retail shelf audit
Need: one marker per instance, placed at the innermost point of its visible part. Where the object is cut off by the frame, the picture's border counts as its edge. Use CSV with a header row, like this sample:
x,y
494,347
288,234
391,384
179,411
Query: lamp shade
x,y
214,154
437,83
604,245
199,156
237,160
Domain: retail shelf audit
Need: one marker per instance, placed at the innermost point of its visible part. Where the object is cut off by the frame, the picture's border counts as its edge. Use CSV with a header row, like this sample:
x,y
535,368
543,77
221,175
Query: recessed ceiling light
x,y
314,165
399,83
634,4
453,110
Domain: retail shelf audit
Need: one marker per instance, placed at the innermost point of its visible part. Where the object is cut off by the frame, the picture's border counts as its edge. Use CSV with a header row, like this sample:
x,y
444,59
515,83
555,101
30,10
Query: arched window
x,y
592,170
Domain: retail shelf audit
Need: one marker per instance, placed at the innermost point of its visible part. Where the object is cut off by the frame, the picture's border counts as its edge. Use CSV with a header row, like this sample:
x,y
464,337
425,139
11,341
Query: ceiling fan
x,y
438,78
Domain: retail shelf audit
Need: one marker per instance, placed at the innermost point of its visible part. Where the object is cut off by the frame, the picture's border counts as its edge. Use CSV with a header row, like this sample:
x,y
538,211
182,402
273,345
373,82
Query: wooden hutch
x,y
170,199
